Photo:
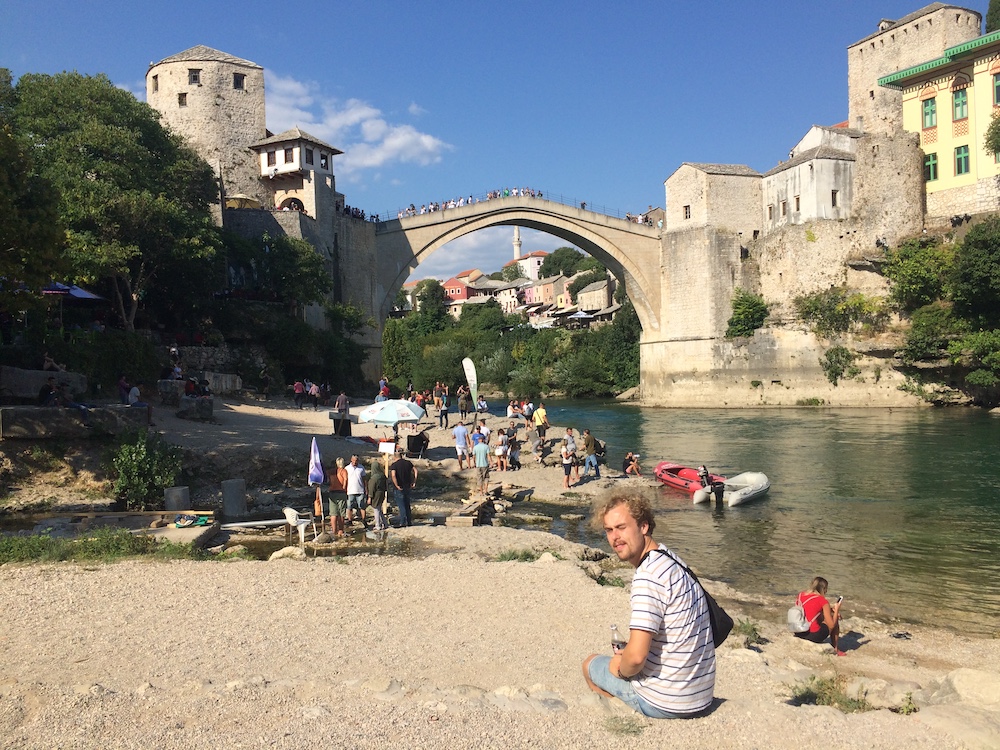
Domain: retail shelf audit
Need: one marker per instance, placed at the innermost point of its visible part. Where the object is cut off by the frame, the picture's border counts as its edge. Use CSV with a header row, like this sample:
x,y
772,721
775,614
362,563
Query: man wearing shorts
x,y
462,445
667,668
541,420
481,454
356,489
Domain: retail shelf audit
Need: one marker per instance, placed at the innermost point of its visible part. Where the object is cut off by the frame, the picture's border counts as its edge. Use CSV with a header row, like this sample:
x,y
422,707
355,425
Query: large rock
x,y
972,686
289,553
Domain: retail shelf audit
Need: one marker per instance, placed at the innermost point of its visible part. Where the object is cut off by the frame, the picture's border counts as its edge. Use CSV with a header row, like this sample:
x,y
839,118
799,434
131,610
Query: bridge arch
x,y
630,251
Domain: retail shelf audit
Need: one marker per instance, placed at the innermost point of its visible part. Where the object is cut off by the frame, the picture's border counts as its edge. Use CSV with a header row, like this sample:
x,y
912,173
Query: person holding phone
x,y
824,619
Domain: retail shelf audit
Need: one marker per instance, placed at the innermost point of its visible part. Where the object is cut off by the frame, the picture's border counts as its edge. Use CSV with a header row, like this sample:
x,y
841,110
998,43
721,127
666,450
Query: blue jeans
x,y
624,690
591,460
403,503
443,417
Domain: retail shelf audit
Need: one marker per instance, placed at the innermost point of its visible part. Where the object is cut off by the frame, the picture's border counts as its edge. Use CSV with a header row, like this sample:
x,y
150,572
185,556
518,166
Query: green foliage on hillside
x,y
836,310
566,261
749,313
917,271
598,274
993,17
511,356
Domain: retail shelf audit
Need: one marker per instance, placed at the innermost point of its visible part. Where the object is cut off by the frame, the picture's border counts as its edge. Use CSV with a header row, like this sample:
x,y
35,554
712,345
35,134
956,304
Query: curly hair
x,y
636,501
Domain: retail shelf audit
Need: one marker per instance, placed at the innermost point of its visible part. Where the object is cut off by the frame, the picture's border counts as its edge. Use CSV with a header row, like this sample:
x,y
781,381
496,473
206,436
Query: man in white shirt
x,y
667,668
356,489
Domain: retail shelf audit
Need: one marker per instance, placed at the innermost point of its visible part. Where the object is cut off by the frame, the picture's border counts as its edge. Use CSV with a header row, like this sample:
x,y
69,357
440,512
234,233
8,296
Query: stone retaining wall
x,y
44,422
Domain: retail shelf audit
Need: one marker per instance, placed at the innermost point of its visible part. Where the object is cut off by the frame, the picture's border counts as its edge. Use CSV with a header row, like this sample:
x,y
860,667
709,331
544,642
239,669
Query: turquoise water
x,y
899,509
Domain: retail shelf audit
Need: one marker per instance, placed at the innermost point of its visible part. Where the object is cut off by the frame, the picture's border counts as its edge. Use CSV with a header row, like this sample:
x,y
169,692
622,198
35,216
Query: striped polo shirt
x,y
679,673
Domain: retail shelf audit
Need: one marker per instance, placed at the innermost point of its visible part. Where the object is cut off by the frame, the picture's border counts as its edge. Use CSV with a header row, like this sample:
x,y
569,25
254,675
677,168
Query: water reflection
x,y
899,509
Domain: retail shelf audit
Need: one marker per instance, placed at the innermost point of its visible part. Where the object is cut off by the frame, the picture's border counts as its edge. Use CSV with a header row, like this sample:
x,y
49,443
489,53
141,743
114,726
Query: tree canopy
x,y
993,17
31,233
566,261
133,196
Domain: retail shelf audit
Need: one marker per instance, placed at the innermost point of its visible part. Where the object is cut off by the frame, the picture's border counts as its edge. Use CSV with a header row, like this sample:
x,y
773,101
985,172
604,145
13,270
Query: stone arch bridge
x,y
630,251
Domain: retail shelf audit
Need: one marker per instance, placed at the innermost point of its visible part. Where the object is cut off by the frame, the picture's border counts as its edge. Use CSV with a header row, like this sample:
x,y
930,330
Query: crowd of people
x,y
434,206
353,488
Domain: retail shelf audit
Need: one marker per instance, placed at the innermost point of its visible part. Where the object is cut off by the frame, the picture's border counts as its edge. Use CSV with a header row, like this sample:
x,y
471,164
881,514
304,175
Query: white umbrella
x,y
391,412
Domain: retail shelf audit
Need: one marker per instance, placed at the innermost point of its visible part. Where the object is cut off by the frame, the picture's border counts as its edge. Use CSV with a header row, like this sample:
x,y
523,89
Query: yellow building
x,y
949,102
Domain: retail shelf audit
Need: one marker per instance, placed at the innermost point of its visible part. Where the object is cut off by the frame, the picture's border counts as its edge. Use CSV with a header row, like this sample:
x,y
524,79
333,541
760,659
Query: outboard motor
x,y
719,490
703,476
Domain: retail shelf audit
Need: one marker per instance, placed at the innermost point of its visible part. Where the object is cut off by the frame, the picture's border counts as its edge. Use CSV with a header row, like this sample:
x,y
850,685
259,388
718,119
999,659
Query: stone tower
x,y
216,101
920,36
517,242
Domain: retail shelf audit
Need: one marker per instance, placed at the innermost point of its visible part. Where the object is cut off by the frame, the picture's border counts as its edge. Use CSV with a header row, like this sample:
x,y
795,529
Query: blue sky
x,y
595,101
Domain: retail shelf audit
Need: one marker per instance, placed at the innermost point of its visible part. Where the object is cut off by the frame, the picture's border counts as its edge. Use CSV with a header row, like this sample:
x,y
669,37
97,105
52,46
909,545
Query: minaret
x,y
517,242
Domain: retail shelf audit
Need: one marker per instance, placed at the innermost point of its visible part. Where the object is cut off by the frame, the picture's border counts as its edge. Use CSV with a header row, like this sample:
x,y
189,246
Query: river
x,y
898,508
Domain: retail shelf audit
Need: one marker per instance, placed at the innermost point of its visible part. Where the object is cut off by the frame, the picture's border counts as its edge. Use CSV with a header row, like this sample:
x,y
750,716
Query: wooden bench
x,y
472,513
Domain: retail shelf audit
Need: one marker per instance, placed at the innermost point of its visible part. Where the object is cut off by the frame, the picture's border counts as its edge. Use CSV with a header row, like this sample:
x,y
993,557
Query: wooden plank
x,y
471,508
462,521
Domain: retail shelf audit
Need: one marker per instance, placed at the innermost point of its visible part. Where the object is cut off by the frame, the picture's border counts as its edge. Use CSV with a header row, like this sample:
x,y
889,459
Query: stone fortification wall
x,y
218,120
888,189
776,367
355,260
912,40
686,187
700,267
727,201
810,185
734,203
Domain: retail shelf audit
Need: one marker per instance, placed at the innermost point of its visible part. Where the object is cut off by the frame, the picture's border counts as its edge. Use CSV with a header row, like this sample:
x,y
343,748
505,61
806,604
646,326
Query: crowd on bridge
x,y
432,207
639,219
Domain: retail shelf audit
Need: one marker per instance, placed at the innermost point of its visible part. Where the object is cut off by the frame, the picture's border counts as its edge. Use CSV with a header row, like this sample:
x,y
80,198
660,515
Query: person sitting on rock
x,y
630,465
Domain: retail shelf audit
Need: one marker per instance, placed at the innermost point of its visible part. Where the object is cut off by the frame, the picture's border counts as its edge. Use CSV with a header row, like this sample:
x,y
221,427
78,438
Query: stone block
x,y
177,498
196,407
25,384
234,498
462,521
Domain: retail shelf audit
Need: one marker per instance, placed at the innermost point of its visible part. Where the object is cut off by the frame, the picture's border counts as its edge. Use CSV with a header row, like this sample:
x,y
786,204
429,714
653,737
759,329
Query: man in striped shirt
x,y
667,669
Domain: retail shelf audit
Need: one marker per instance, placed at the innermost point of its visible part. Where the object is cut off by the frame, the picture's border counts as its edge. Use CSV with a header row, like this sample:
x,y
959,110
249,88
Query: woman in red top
x,y
824,620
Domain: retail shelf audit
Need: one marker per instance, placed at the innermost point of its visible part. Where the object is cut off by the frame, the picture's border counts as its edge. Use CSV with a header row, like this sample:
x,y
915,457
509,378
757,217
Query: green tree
x,y
991,139
976,273
993,17
397,349
484,317
917,271
133,196
511,273
431,314
749,313
31,233
565,261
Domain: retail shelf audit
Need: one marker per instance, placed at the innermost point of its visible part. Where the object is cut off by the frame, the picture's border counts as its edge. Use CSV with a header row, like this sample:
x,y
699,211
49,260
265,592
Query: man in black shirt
x,y
403,476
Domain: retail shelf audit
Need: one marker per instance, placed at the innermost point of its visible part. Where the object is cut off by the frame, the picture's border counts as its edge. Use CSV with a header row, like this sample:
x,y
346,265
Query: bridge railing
x,y
538,195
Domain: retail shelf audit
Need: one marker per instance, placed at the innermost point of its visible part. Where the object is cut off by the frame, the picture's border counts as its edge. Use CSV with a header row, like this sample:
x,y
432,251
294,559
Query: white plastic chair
x,y
297,522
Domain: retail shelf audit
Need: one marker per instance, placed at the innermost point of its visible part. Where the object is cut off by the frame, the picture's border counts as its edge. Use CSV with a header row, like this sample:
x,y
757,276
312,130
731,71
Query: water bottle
x,y
617,642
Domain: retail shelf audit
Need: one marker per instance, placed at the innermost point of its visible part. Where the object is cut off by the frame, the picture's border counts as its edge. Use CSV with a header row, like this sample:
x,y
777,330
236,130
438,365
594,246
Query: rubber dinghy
x,y
745,487
682,477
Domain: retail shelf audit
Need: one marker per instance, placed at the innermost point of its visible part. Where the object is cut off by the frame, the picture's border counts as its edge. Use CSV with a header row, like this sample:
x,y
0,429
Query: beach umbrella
x,y
391,412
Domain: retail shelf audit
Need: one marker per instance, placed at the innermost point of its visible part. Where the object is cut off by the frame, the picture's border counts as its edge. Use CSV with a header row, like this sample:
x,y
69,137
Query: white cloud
x,y
354,126
416,110
136,88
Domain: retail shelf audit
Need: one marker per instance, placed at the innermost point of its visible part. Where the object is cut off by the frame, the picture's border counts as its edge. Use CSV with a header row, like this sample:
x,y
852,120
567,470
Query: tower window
x,y
156,83
770,212
289,155
239,81
834,196
309,156
194,76
324,161
784,208
687,212
798,203
271,158
182,100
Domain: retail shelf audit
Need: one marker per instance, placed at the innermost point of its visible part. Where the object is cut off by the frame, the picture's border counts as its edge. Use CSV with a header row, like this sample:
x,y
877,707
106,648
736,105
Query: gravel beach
x,y
443,648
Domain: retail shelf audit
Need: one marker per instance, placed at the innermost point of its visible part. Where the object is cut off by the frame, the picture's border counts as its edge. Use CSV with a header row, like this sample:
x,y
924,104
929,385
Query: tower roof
x,y
201,53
